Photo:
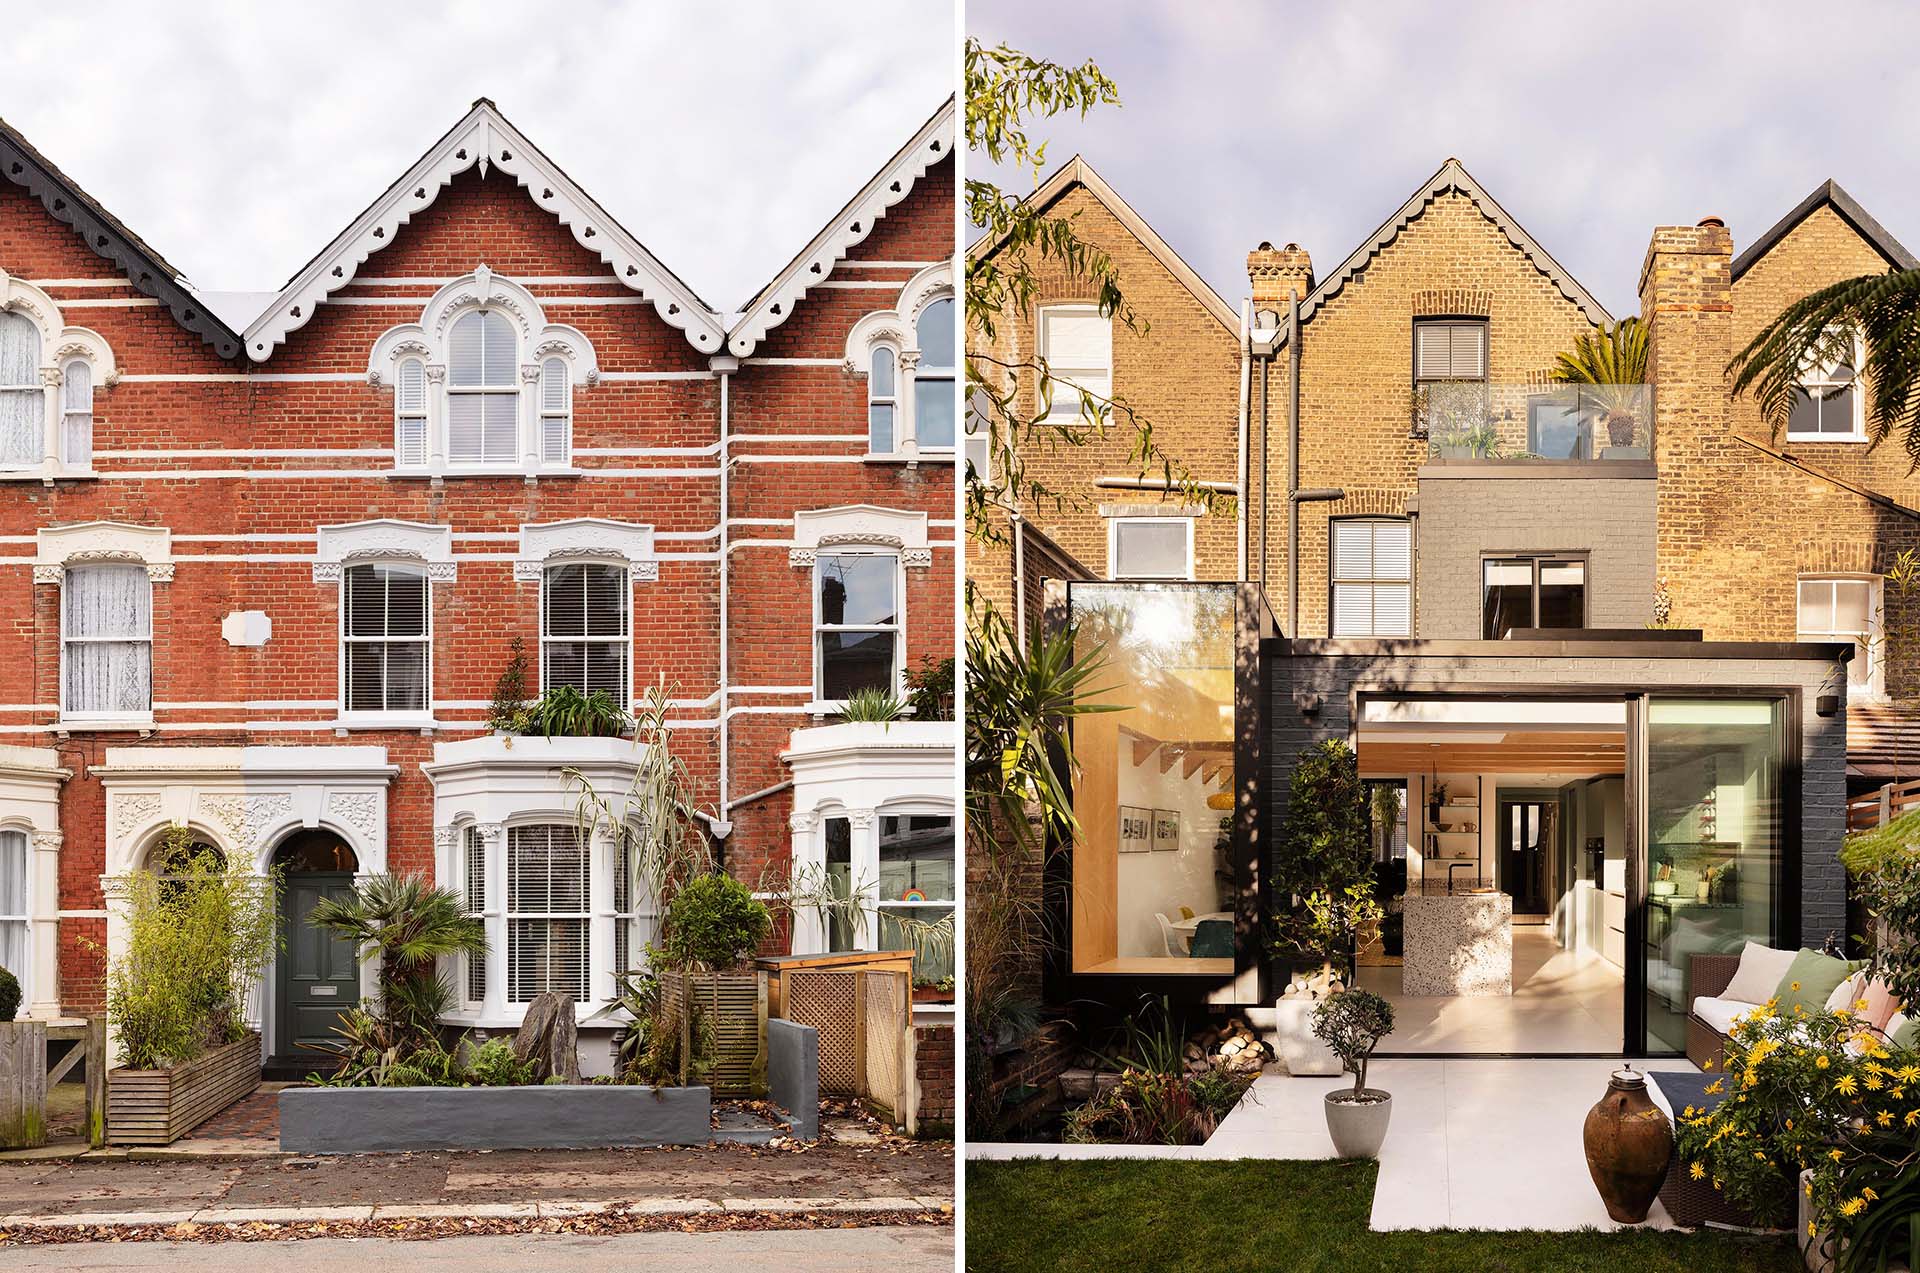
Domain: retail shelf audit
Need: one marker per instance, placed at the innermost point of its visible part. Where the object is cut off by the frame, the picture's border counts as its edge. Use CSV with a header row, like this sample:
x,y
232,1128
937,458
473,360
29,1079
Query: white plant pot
x,y
1294,1041
1358,1128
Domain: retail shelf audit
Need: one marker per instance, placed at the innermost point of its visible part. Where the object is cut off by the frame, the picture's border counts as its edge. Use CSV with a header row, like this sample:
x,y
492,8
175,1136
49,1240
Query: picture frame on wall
x,y
1166,830
1136,829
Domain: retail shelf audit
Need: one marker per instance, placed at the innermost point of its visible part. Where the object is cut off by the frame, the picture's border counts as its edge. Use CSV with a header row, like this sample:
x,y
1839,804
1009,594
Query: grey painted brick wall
x,y
1462,518
1332,679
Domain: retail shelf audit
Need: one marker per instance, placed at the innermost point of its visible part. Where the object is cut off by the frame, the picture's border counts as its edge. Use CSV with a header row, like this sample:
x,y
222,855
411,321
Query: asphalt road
x,y
840,1250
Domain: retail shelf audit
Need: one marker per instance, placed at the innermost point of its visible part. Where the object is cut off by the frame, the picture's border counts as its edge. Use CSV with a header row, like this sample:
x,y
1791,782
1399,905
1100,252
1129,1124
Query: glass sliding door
x,y
1715,843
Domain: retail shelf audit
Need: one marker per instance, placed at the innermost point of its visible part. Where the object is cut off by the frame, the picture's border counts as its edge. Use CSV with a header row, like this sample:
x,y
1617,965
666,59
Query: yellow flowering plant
x,y
1807,1100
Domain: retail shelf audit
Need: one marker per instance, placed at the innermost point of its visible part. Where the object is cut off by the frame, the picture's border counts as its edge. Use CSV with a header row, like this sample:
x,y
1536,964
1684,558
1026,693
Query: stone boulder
x,y
549,1038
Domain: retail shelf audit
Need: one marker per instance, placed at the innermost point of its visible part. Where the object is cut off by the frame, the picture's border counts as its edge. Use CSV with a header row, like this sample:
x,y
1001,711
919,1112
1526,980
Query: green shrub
x,y
1324,851
9,995
930,689
197,939
493,1064
714,921
564,712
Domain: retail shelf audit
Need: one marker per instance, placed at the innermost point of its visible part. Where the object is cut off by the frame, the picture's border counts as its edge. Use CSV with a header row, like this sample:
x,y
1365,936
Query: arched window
x,y
483,390
881,402
76,414
556,412
933,406
23,421
410,414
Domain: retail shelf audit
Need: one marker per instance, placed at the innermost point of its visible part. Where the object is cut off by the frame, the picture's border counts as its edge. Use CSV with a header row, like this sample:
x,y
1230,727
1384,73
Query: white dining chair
x,y
1169,938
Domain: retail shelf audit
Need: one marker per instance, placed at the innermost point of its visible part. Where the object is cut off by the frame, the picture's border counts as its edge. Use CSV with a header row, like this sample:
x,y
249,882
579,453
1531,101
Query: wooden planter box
x,y
158,1107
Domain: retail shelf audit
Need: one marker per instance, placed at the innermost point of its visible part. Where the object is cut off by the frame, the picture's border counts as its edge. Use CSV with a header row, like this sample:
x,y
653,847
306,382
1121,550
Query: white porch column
x,y
864,853
43,888
809,925
602,861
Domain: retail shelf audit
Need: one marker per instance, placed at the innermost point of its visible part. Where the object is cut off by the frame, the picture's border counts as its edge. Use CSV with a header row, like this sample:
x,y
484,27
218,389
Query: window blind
x,y
547,917
1450,351
385,633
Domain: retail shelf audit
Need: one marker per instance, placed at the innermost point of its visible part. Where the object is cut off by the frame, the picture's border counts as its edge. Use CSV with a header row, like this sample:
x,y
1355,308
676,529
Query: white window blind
x,y
475,891
1372,578
1450,351
14,945
410,414
76,414
556,412
584,637
1077,343
385,631
882,405
547,911
106,628
1843,609
933,378
483,390
22,397
1152,548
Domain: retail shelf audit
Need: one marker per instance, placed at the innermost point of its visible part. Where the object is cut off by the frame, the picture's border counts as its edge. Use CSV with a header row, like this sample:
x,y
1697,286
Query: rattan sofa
x,y
1710,976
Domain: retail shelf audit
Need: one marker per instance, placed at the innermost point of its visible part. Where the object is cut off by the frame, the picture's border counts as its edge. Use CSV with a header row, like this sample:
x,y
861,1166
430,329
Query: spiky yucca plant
x,y
1610,365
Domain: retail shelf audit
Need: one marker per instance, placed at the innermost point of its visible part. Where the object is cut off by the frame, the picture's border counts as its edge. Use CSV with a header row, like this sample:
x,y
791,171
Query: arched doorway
x,y
316,977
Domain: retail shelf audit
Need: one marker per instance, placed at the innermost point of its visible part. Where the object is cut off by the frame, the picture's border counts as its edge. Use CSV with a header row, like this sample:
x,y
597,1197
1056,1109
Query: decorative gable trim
x,y
851,226
384,539
58,547
1829,195
109,240
484,139
1077,173
1452,178
586,539
860,526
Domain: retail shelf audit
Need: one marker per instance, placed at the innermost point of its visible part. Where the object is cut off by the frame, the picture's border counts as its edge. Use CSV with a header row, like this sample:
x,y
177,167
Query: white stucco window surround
x,y
417,550
30,779
862,772
860,526
483,384
500,805
106,618
244,801
586,539
828,543
49,373
907,355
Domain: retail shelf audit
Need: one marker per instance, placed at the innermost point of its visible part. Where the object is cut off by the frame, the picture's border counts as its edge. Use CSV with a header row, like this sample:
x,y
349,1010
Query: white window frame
x,y
537,343
553,374
898,627
1114,525
1097,381
61,346
1875,685
1814,383
888,400
28,854
624,570
585,916
1374,579
513,391
898,330
415,414
69,717
470,837
881,904
408,718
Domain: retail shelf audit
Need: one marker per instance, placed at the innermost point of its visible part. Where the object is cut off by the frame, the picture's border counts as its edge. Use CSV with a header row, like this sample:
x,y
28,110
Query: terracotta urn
x,y
1629,1144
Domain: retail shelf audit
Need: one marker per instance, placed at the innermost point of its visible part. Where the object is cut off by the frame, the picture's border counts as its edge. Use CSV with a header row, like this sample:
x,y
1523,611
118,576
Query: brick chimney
x,y
1276,271
1686,300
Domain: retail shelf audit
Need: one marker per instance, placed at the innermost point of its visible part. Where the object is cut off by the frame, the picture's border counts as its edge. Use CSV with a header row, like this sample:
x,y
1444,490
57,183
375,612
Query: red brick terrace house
x,y
261,562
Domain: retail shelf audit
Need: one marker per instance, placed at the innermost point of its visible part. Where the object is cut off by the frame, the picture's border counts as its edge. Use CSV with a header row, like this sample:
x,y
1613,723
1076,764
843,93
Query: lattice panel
x,y
735,1005
886,998
828,1001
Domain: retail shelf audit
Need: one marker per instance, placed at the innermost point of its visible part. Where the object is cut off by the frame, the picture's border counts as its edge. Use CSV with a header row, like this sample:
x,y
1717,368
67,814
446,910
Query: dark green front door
x,y
318,977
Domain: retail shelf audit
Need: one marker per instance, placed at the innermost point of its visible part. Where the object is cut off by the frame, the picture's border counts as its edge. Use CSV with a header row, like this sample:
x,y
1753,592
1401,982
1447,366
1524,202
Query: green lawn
x,y
1133,1217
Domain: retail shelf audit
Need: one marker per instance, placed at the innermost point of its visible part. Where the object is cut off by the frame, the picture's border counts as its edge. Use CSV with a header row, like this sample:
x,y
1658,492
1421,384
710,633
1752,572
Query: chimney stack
x,y
1274,272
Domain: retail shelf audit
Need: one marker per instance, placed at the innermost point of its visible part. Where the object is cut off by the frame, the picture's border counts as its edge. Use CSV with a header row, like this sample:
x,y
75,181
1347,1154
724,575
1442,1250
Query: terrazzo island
x,y
1458,944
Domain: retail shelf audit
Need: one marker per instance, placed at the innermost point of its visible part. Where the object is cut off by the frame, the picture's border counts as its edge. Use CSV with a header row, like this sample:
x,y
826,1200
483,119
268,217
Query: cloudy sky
x,y
1245,120
239,137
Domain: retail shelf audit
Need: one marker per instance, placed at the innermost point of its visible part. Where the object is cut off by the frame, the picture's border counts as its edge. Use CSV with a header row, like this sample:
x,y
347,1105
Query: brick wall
x,y
934,1072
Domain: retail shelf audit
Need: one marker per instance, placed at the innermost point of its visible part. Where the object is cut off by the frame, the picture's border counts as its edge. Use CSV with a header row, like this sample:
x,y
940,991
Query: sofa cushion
x,y
1881,1005
1719,1013
1847,993
1758,976
1903,1031
1809,979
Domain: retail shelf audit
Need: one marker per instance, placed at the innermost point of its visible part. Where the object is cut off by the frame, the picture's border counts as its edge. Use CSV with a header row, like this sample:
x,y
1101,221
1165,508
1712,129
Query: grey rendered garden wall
x,y
1467,515
793,1073
1325,675
357,1120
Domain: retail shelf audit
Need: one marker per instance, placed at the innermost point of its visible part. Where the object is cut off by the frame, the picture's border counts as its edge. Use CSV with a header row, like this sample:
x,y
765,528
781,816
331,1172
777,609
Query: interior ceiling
x,y
1389,753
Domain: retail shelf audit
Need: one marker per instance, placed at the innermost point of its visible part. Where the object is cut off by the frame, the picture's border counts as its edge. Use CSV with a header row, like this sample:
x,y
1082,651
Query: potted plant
x,y
1610,368
1352,1023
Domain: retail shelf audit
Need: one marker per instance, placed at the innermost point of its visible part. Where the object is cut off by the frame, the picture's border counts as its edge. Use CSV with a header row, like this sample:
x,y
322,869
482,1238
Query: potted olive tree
x,y
1353,1022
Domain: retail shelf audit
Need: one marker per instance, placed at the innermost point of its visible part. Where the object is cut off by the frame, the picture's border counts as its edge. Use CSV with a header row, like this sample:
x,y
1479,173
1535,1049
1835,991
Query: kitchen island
x,y
1458,943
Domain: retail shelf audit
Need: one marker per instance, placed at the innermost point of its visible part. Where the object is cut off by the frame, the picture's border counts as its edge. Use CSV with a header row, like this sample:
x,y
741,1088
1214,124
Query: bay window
x,y
548,911
15,913
916,891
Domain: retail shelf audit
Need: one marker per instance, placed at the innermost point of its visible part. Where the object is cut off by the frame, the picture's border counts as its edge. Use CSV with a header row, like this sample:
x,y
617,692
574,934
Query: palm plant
x,y
1610,365
410,925
1881,311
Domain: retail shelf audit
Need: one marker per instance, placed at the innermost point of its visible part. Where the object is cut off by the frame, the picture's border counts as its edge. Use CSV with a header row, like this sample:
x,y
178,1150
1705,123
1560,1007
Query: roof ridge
x,y
1828,193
